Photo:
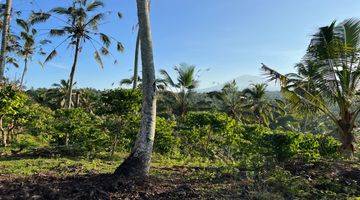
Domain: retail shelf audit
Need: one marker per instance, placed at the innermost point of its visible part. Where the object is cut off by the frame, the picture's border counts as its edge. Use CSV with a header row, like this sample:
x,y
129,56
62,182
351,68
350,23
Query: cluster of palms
x,y
249,106
328,79
81,22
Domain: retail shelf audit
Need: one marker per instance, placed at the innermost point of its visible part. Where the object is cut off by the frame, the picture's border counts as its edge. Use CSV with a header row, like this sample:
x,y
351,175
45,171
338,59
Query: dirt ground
x,y
176,182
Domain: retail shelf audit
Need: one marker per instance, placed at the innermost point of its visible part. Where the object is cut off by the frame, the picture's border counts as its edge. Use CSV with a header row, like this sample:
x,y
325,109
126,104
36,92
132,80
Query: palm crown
x,y
328,76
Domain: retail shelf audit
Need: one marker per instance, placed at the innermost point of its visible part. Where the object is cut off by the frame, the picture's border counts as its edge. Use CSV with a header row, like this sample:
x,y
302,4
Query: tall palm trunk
x,y
136,61
24,72
138,163
4,38
72,74
71,81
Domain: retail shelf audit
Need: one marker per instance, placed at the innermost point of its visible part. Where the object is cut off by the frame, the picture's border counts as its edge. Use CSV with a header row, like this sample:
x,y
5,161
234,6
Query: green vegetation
x,y
227,144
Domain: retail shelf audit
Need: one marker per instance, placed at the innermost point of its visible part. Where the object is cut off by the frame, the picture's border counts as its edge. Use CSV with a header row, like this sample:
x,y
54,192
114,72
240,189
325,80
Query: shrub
x,y
83,129
284,145
120,102
165,140
208,134
36,119
26,141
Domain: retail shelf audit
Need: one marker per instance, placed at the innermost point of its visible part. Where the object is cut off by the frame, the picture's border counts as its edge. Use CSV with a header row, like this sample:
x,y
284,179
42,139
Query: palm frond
x,y
94,5
94,21
120,47
104,51
61,11
38,17
166,78
51,56
126,81
105,39
98,59
23,24
12,61
274,75
57,32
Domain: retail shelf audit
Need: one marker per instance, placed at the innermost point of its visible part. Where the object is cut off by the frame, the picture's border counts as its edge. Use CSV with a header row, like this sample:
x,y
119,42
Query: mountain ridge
x,y
244,81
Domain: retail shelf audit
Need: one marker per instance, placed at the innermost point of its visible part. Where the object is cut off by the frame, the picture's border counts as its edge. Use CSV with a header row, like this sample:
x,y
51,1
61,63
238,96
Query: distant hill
x,y
243,82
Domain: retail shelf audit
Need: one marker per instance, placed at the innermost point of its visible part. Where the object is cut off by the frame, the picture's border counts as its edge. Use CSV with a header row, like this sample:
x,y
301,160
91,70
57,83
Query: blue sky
x,y
229,37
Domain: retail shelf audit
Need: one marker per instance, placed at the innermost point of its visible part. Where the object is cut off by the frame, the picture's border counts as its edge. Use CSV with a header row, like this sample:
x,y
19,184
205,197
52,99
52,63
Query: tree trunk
x,y
136,61
3,132
114,145
24,72
77,99
4,38
71,82
138,163
72,74
347,144
346,134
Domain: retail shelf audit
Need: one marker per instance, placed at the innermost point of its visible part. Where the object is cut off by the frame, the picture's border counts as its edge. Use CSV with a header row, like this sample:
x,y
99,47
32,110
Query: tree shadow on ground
x,y
42,186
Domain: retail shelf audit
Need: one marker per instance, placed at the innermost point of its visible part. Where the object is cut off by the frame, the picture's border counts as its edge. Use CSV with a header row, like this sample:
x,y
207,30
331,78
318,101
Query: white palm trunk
x,y
138,163
4,38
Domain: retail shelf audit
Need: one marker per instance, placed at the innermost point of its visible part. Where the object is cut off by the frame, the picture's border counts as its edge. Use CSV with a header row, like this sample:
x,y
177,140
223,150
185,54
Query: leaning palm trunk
x,y
136,61
138,163
4,38
71,82
24,72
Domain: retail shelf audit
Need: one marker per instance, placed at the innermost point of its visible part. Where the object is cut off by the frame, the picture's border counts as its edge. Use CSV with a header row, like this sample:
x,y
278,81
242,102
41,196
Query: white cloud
x,y
58,65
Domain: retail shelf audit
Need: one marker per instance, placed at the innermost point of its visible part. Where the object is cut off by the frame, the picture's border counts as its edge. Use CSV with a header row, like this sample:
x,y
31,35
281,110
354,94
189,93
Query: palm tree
x,y
232,99
61,93
138,163
26,45
129,81
258,104
80,28
328,76
182,89
4,38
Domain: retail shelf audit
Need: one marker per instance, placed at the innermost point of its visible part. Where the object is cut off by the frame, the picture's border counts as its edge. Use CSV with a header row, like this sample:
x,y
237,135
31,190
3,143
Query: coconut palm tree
x,y
60,94
232,99
4,38
183,88
138,163
26,41
81,26
328,76
257,103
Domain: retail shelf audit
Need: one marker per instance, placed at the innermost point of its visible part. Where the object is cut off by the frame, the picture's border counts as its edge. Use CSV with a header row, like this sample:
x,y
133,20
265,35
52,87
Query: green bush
x,y
215,135
27,141
208,134
328,146
218,122
36,119
120,102
284,145
83,129
165,140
